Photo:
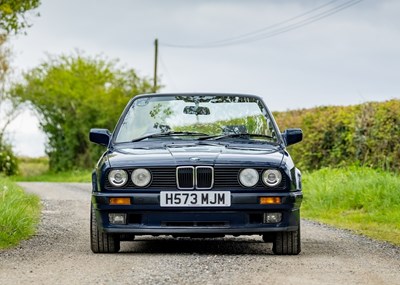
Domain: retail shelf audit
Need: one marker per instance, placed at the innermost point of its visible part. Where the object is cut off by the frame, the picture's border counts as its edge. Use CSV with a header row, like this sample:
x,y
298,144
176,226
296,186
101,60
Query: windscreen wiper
x,y
167,134
239,135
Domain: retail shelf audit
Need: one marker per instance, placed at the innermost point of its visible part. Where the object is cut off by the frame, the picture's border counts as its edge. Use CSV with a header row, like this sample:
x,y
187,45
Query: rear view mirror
x,y
196,110
292,136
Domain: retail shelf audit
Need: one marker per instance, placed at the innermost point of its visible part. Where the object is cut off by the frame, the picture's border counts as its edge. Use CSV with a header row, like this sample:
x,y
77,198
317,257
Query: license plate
x,y
195,199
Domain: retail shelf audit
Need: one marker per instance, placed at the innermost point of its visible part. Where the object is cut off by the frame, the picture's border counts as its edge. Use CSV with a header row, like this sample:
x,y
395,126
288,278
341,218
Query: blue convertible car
x,y
196,165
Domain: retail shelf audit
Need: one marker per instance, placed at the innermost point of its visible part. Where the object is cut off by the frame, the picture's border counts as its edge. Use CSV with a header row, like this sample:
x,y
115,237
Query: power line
x,y
262,34
298,25
307,21
271,26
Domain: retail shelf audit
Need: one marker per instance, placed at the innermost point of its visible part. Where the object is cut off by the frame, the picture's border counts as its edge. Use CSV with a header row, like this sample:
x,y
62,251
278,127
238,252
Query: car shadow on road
x,y
222,246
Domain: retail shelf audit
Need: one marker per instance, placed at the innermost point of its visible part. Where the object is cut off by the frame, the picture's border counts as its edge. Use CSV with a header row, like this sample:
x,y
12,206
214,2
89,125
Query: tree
x,y
13,20
73,94
8,107
13,15
8,161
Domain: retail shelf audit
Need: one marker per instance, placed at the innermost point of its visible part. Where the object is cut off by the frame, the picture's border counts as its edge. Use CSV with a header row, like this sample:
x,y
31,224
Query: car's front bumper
x,y
145,216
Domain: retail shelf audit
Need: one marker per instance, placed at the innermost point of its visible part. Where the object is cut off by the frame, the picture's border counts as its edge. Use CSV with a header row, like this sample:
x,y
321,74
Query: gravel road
x,y
60,254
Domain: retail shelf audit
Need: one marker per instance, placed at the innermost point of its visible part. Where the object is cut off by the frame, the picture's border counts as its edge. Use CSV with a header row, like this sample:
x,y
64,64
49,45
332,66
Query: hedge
x,y
336,136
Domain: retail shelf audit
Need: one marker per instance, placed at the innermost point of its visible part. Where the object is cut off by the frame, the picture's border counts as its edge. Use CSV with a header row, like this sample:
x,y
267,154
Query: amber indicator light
x,y
120,201
270,200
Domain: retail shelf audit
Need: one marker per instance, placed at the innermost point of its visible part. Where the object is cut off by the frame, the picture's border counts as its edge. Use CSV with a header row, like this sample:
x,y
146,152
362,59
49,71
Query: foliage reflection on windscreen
x,y
212,115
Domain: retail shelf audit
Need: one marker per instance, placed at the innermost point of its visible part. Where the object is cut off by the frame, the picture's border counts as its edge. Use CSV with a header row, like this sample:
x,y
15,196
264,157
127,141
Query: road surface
x,y
60,254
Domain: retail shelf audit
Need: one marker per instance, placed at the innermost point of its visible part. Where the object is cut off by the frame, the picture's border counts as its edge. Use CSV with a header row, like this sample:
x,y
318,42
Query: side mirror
x,y
100,136
292,136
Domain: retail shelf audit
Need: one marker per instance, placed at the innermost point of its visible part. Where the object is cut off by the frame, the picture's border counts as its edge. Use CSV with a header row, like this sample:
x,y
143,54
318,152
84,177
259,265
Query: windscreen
x,y
211,115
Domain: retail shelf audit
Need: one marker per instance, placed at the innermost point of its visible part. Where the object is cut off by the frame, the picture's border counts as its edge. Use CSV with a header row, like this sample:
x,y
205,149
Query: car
x,y
199,165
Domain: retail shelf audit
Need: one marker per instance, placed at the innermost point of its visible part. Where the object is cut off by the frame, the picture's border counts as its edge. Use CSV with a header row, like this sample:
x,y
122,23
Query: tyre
x,y
287,243
101,242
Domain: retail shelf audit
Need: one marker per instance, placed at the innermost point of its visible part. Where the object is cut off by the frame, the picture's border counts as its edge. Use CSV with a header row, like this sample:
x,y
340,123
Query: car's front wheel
x,y
287,243
101,242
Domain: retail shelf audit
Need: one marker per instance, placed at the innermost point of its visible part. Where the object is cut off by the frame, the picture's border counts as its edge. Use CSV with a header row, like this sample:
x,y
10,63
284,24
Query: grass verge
x,y
364,200
29,166
19,213
49,176
37,170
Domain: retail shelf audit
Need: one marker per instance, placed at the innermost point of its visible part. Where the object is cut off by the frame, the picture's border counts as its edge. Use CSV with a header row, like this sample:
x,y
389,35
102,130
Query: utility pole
x,y
155,65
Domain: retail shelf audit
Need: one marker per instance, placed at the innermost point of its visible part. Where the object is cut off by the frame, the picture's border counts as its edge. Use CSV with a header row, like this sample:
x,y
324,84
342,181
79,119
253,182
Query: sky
x,y
331,57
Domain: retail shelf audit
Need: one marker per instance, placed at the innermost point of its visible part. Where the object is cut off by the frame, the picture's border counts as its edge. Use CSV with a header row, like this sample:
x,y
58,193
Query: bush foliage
x,y
366,134
8,161
73,94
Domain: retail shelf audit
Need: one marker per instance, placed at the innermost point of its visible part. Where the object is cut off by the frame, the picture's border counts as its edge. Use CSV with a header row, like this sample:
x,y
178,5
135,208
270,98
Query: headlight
x,y
118,177
248,177
141,177
272,177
